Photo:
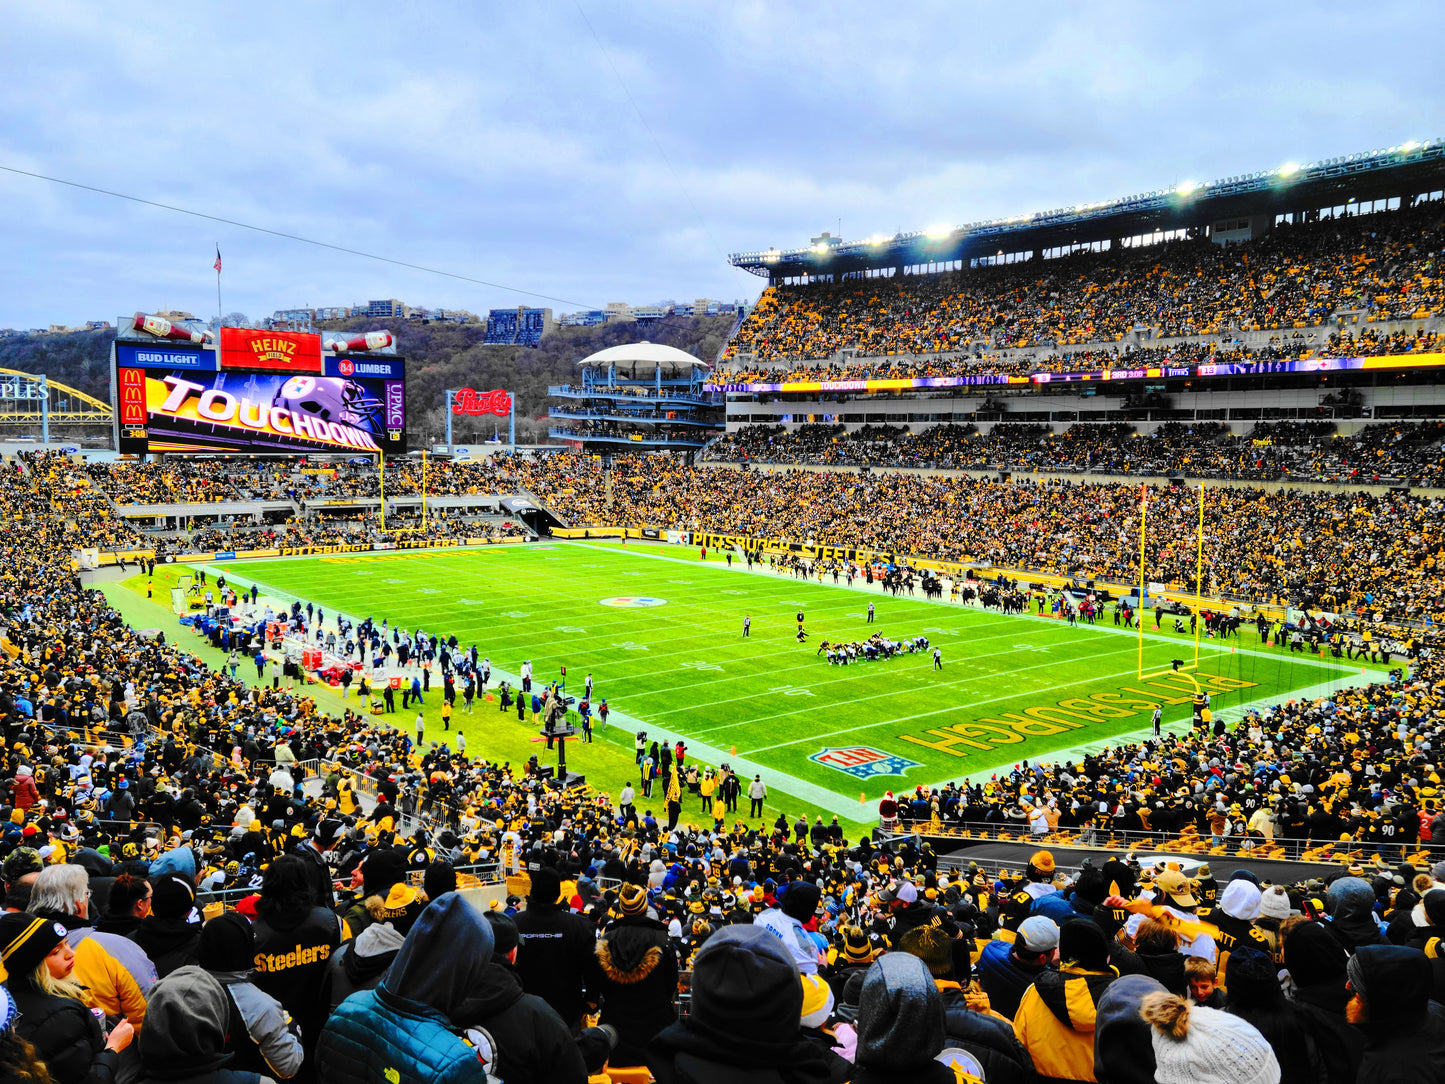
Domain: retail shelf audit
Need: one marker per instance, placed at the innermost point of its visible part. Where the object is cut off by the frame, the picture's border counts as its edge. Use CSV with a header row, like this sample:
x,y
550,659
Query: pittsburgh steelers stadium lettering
x,y
1072,713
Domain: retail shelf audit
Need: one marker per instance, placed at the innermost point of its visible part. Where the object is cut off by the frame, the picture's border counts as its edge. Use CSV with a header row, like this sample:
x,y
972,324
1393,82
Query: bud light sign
x,y
395,404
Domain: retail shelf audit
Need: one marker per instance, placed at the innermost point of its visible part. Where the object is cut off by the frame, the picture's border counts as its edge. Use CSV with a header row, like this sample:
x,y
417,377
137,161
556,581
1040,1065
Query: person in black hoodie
x,y
1404,1030
900,1025
745,1025
167,935
294,943
533,1040
1123,1042
1316,963
184,1038
967,1018
1351,903
637,977
1255,995
555,959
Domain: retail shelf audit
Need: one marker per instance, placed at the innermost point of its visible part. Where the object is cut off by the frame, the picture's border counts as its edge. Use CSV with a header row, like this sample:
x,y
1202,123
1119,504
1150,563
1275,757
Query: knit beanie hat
x,y
1082,944
931,945
439,879
800,900
227,943
546,886
632,899
817,1001
857,949
1240,900
25,940
172,896
1198,1045
505,935
1435,906
380,870
1314,957
745,982
1274,904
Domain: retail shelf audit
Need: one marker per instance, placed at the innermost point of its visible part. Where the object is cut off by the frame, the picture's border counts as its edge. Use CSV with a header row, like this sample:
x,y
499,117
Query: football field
x,y
661,633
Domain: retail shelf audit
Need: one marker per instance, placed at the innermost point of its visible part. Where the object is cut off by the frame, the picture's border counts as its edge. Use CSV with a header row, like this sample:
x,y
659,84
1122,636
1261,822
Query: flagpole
x,y
220,312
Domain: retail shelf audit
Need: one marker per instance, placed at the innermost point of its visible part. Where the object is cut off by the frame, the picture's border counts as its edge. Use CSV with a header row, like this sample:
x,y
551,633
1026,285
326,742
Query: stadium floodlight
x,y
937,233
877,239
1410,145
772,255
1289,169
1185,188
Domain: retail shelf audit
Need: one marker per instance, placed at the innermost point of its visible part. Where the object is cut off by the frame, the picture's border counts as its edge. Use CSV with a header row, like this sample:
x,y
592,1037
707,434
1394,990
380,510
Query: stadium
x,y
1017,640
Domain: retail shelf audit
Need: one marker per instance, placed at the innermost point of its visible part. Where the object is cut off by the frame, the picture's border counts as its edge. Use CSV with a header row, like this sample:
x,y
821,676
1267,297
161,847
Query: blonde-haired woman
x,y
54,1016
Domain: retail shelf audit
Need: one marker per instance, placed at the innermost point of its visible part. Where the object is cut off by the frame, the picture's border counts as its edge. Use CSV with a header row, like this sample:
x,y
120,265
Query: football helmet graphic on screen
x,y
332,398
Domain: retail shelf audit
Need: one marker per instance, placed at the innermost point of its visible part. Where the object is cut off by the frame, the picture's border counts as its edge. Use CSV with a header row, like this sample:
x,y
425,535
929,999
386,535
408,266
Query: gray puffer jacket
x,y
268,1040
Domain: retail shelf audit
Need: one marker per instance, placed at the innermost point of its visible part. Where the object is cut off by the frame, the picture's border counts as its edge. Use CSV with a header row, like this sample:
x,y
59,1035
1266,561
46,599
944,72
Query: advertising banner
x,y
272,351
471,402
256,412
1253,368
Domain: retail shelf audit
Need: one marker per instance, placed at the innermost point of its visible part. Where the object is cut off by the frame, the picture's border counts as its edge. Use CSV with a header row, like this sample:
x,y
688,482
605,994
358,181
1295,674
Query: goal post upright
x,y
1143,522
1199,580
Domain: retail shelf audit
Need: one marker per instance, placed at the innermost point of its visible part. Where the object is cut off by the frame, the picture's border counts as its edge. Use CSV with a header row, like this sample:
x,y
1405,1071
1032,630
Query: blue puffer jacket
x,y
403,1032
373,1038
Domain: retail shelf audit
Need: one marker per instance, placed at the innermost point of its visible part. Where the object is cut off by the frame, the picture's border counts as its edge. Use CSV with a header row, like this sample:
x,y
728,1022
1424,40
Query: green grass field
x,y
1012,688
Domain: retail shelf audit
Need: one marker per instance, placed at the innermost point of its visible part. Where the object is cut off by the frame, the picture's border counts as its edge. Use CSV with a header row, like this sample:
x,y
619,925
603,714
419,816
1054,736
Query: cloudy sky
x,y
595,151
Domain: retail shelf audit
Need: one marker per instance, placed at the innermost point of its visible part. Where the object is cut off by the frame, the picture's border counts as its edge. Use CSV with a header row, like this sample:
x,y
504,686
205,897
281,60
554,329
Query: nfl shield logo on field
x,y
863,762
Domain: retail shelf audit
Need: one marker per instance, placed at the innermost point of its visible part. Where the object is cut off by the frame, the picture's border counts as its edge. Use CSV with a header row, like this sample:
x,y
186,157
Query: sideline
x,y
818,796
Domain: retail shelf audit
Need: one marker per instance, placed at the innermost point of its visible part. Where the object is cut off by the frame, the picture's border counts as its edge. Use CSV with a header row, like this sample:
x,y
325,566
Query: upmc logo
x,y
395,404
346,367
863,762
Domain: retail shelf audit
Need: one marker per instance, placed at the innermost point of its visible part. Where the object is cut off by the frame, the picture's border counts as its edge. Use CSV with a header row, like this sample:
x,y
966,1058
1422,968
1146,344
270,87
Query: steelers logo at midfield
x,y
634,600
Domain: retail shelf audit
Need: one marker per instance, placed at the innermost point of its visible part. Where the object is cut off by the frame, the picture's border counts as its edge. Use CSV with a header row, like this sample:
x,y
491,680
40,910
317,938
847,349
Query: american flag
x,y
218,259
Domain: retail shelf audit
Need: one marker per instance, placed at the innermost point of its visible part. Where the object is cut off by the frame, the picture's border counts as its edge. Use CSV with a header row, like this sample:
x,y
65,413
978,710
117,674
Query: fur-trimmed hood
x,y
631,949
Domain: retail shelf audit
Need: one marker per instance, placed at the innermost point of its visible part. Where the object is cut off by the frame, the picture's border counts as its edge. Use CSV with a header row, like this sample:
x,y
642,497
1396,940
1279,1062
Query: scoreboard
x,y
258,391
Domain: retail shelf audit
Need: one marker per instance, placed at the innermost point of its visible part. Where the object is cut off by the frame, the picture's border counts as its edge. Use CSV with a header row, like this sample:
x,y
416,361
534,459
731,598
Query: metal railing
x,y
1203,844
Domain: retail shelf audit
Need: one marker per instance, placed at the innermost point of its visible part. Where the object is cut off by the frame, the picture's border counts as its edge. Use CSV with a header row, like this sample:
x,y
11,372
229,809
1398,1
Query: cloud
x,y
497,141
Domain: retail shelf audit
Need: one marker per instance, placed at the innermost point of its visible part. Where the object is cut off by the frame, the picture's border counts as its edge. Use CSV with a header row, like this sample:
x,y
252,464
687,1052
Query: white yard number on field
x,y
630,645
568,628
513,613
701,664
792,690
941,632
471,602
428,590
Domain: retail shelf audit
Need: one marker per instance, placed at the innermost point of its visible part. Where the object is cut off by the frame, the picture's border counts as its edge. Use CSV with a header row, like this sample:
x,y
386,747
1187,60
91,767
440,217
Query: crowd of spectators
x,y
1381,265
1368,554
210,881
1271,451
1091,359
